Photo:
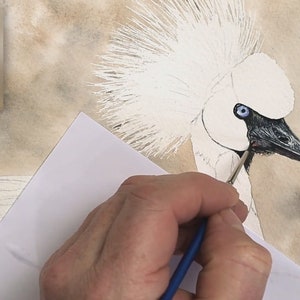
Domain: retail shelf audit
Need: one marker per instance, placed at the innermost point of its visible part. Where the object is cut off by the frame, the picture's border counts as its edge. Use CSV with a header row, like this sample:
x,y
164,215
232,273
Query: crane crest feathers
x,y
161,67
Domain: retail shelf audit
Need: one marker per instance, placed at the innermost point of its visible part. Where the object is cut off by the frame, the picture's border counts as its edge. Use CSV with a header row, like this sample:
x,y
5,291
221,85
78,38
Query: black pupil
x,y
243,110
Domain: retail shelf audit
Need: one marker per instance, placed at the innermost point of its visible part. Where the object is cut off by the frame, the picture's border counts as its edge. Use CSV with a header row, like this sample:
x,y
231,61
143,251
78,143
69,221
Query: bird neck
x,y
211,158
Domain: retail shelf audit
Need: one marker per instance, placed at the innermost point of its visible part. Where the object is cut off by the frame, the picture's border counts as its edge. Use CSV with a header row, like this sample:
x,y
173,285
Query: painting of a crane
x,y
193,69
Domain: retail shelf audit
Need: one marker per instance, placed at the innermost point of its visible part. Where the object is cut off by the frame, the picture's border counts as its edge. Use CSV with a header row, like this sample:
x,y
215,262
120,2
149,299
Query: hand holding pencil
x,y
123,248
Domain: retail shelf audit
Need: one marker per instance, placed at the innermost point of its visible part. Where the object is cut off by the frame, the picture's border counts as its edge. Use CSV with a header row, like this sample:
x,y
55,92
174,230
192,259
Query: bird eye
x,y
241,111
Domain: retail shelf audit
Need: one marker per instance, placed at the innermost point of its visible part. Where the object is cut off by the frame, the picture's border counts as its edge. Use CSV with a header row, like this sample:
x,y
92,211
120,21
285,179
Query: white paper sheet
x,y
84,169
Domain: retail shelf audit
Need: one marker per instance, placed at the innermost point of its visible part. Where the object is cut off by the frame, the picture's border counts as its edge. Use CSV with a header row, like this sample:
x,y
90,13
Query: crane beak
x,y
269,136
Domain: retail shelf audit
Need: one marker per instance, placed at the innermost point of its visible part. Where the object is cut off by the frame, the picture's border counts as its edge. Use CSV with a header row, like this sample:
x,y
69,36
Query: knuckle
x,y
145,197
135,180
202,180
143,192
256,257
140,188
53,277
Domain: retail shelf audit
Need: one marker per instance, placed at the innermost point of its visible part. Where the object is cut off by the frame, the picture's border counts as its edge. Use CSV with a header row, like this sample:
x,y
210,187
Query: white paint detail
x,y
160,70
262,85
177,70
219,120
10,188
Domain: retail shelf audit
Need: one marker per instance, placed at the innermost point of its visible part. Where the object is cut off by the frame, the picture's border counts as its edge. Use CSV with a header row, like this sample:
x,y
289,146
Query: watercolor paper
x,y
177,72
78,175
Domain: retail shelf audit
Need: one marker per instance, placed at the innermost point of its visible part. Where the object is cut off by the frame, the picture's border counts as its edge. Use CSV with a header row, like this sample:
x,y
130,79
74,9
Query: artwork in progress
x,y
193,70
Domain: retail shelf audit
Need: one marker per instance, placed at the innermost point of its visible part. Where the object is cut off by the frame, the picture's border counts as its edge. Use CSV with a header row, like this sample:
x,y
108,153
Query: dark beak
x,y
275,137
269,136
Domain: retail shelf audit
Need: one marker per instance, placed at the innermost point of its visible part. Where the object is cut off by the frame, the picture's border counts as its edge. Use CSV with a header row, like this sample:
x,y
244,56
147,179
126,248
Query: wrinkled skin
x,y
123,248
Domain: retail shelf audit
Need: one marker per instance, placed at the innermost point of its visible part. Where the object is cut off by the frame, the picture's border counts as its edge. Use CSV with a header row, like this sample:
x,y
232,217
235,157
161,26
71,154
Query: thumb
x,y
234,266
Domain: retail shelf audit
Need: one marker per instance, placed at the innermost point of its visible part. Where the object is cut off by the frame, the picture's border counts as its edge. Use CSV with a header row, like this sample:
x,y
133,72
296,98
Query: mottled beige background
x,y
49,50
1,59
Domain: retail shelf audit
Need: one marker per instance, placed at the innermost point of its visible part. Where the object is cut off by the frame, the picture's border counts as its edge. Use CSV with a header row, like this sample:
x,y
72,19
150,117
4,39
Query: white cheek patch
x,y
263,86
222,125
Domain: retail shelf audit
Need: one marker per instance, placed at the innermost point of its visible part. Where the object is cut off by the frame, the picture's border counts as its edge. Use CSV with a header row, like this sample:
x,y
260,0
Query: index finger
x,y
187,195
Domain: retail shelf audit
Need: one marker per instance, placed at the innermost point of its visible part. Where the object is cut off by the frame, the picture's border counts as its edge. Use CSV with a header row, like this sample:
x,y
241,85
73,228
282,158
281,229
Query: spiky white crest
x,y
161,67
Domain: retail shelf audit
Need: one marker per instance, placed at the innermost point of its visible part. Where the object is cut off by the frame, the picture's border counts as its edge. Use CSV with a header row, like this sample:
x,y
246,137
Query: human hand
x,y
123,248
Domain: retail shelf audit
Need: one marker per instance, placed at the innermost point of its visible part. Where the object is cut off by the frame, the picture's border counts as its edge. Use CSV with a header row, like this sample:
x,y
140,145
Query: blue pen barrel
x,y
185,263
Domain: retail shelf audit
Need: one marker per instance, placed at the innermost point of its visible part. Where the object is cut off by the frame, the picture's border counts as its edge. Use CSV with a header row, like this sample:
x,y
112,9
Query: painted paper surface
x,y
189,70
50,52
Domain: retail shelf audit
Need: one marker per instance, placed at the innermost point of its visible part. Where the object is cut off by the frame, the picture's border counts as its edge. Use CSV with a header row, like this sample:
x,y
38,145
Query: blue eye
x,y
241,111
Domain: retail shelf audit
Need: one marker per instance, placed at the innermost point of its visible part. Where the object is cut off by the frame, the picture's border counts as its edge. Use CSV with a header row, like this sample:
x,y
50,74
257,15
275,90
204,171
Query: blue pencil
x,y
185,263
194,247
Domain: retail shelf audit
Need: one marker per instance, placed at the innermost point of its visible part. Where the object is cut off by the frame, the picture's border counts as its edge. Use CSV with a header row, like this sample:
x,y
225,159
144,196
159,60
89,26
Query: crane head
x,y
248,106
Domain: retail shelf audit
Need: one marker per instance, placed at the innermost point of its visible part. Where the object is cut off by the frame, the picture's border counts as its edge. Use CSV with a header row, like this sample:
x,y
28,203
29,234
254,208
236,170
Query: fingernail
x,y
230,218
